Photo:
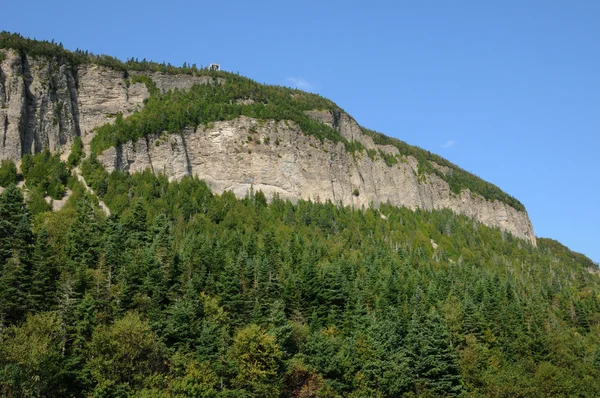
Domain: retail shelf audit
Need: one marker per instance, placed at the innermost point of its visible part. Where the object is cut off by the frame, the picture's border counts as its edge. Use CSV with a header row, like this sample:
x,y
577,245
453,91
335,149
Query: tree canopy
x,y
181,292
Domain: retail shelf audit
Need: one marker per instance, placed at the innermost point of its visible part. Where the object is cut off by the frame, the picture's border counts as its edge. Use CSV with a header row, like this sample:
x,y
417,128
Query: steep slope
x,y
181,292
184,293
301,166
45,102
230,131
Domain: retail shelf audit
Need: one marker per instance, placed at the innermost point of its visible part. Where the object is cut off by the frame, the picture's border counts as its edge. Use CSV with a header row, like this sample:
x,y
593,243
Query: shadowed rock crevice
x,y
188,164
335,119
28,111
118,160
3,99
148,153
5,131
72,85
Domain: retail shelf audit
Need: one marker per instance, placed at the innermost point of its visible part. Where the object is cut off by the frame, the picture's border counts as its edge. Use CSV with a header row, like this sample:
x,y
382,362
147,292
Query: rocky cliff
x,y
45,103
278,158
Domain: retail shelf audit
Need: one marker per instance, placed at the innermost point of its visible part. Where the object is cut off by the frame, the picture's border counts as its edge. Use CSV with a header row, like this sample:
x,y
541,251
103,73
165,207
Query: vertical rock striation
x,y
46,103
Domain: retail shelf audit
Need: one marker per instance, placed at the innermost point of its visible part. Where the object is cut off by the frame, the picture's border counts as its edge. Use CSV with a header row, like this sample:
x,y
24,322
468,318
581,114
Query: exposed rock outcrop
x,y
102,93
46,103
293,165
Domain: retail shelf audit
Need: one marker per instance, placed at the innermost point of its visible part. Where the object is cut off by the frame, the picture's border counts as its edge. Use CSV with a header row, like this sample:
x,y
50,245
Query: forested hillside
x,y
183,293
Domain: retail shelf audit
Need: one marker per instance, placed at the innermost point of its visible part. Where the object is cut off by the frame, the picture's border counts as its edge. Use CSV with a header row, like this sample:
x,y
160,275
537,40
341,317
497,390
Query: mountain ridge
x,y
50,96
195,284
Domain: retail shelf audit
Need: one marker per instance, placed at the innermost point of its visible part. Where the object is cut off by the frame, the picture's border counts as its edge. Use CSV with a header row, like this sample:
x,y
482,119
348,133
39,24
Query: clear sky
x,y
509,90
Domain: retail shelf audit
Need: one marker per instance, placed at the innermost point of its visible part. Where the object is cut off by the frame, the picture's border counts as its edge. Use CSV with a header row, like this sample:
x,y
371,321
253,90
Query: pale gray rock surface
x,y
301,167
45,103
38,107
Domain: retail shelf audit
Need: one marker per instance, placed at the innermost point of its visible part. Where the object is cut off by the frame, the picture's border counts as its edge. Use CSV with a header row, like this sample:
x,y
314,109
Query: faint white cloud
x,y
301,83
448,144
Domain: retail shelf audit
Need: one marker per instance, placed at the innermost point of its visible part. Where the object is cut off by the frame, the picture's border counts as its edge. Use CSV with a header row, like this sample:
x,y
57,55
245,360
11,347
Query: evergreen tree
x,y
44,274
84,238
14,299
114,250
137,226
433,362
8,173
15,257
13,212
230,291
596,360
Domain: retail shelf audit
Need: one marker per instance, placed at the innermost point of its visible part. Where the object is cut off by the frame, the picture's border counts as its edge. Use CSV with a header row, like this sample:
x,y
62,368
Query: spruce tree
x,y
44,274
85,235
14,300
13,212
15,256
596,360
432,360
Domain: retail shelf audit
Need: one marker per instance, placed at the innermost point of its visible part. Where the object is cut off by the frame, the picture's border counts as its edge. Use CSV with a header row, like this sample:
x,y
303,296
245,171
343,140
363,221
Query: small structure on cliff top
x,y
216,67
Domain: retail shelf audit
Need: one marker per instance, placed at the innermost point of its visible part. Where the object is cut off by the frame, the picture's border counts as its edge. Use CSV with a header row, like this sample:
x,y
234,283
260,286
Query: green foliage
x,y
16,240
43,48
8,173
31,360
388,158
44,274
596,361
559,250
77,153
202,104
457,178
256,356
121,356
433,362
46,173
34,47
185,293
147,81
37,202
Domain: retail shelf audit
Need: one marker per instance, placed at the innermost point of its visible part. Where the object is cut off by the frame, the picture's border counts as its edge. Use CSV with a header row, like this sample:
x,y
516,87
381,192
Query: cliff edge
x,y
45,102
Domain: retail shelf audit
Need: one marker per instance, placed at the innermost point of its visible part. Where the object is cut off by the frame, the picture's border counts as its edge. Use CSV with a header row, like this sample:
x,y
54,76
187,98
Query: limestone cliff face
x,y
279,159
45,103
38,105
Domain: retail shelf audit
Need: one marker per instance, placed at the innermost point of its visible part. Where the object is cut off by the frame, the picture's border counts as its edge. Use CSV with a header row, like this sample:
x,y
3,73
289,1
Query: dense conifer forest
x,y
183,293
180,292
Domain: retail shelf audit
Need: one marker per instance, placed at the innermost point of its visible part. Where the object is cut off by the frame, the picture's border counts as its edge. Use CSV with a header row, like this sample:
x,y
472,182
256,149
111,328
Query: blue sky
x,y
509,90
